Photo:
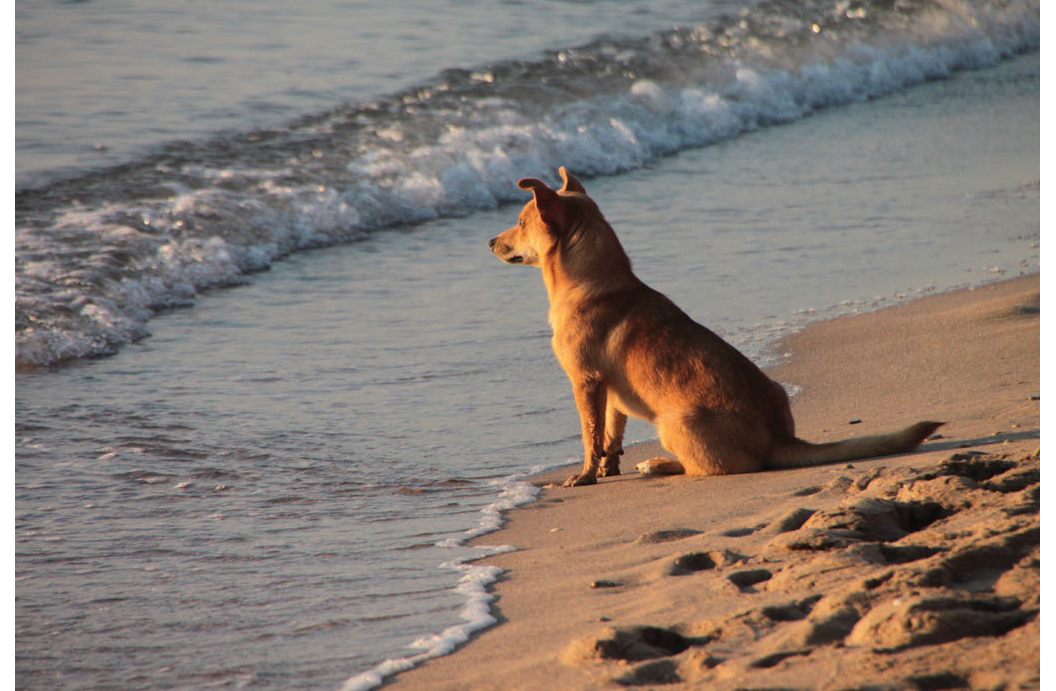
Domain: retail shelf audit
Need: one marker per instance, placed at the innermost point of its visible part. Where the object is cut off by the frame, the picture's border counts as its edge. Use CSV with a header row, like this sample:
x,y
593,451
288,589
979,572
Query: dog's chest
x,y
582,337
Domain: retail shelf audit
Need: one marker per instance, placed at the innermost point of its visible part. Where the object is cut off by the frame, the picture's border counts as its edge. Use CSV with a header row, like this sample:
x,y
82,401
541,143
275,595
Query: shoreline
x,y
734,574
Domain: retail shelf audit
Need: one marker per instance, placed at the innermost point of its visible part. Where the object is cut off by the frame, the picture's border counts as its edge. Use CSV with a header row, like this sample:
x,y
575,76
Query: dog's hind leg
x,y
615,423
707,444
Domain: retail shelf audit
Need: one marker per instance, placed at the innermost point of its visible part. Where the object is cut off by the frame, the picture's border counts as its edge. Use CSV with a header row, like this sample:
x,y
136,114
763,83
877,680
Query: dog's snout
x,y
491,242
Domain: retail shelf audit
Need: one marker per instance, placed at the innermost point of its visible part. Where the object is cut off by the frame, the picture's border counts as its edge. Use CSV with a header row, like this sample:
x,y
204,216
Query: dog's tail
x,y
800,453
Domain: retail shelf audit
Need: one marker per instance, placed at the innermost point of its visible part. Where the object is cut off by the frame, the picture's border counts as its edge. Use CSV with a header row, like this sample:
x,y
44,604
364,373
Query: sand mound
x,y
907,563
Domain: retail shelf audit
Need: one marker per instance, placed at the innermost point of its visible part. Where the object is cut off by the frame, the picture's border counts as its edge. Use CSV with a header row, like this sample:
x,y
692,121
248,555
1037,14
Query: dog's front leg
x,y
590,401
615,423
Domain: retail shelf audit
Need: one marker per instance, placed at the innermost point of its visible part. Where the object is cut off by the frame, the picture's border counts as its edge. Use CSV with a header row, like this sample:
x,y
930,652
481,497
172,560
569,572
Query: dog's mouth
x,y
499,251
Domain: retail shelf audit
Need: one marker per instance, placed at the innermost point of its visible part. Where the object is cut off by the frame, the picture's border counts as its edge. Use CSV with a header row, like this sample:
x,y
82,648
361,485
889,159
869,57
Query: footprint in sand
x,y
747,580
694,562
791,611
658,536
793,520
743,532
627,643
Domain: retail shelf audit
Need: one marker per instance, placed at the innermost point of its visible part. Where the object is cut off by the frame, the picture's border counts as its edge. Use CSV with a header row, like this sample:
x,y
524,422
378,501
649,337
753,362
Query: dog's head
x,y
540,223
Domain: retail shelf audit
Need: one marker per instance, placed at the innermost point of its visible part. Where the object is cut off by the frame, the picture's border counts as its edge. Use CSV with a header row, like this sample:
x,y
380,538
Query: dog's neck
x,y
585,264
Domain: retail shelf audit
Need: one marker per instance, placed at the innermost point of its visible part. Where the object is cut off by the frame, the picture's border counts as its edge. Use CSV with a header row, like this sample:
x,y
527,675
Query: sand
x,y
919,571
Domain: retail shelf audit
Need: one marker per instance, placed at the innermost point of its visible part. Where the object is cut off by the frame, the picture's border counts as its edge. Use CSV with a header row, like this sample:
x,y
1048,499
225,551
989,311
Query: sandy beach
x,y
919,571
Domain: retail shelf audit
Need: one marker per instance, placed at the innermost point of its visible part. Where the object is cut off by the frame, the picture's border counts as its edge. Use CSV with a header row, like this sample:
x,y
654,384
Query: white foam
x,y
472,164
476,613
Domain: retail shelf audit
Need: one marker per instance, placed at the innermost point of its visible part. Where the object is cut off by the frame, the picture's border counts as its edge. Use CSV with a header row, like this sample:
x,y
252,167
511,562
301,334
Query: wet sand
x,y
905,572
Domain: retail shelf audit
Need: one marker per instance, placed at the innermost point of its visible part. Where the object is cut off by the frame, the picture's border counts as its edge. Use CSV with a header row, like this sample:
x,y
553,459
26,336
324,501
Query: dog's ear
x,y
571,183
551,208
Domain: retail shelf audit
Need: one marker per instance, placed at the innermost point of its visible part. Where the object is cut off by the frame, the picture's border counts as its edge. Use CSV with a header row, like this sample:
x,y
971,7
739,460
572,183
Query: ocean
x,y
269,378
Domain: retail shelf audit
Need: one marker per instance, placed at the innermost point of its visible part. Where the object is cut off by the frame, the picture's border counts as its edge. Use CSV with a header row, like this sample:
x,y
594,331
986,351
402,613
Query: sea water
x,y
235,478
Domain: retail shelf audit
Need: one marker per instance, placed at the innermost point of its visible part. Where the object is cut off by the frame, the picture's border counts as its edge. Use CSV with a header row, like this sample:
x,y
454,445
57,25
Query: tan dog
x,y
630,351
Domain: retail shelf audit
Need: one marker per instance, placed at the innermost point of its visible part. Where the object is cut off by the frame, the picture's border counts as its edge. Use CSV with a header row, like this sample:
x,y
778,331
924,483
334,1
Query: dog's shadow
x,y
938,445
998,438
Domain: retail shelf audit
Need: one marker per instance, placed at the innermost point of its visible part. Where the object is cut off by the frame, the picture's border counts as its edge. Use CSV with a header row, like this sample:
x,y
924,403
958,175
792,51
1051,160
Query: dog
x,y
628,350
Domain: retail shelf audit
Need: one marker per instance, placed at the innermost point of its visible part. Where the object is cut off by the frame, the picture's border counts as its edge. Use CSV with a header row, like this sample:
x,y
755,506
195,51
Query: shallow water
x,y
268,484
262,492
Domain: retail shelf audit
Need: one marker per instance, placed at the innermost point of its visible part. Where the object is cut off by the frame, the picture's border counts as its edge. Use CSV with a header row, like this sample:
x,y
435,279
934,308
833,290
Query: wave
x,y
97,255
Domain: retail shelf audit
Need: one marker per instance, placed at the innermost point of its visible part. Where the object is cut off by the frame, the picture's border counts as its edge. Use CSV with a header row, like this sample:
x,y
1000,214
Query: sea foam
x,y
473,584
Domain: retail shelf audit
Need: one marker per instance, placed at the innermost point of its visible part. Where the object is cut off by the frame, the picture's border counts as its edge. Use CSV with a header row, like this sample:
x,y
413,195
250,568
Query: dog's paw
x,y
660,466
653,466
581,480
